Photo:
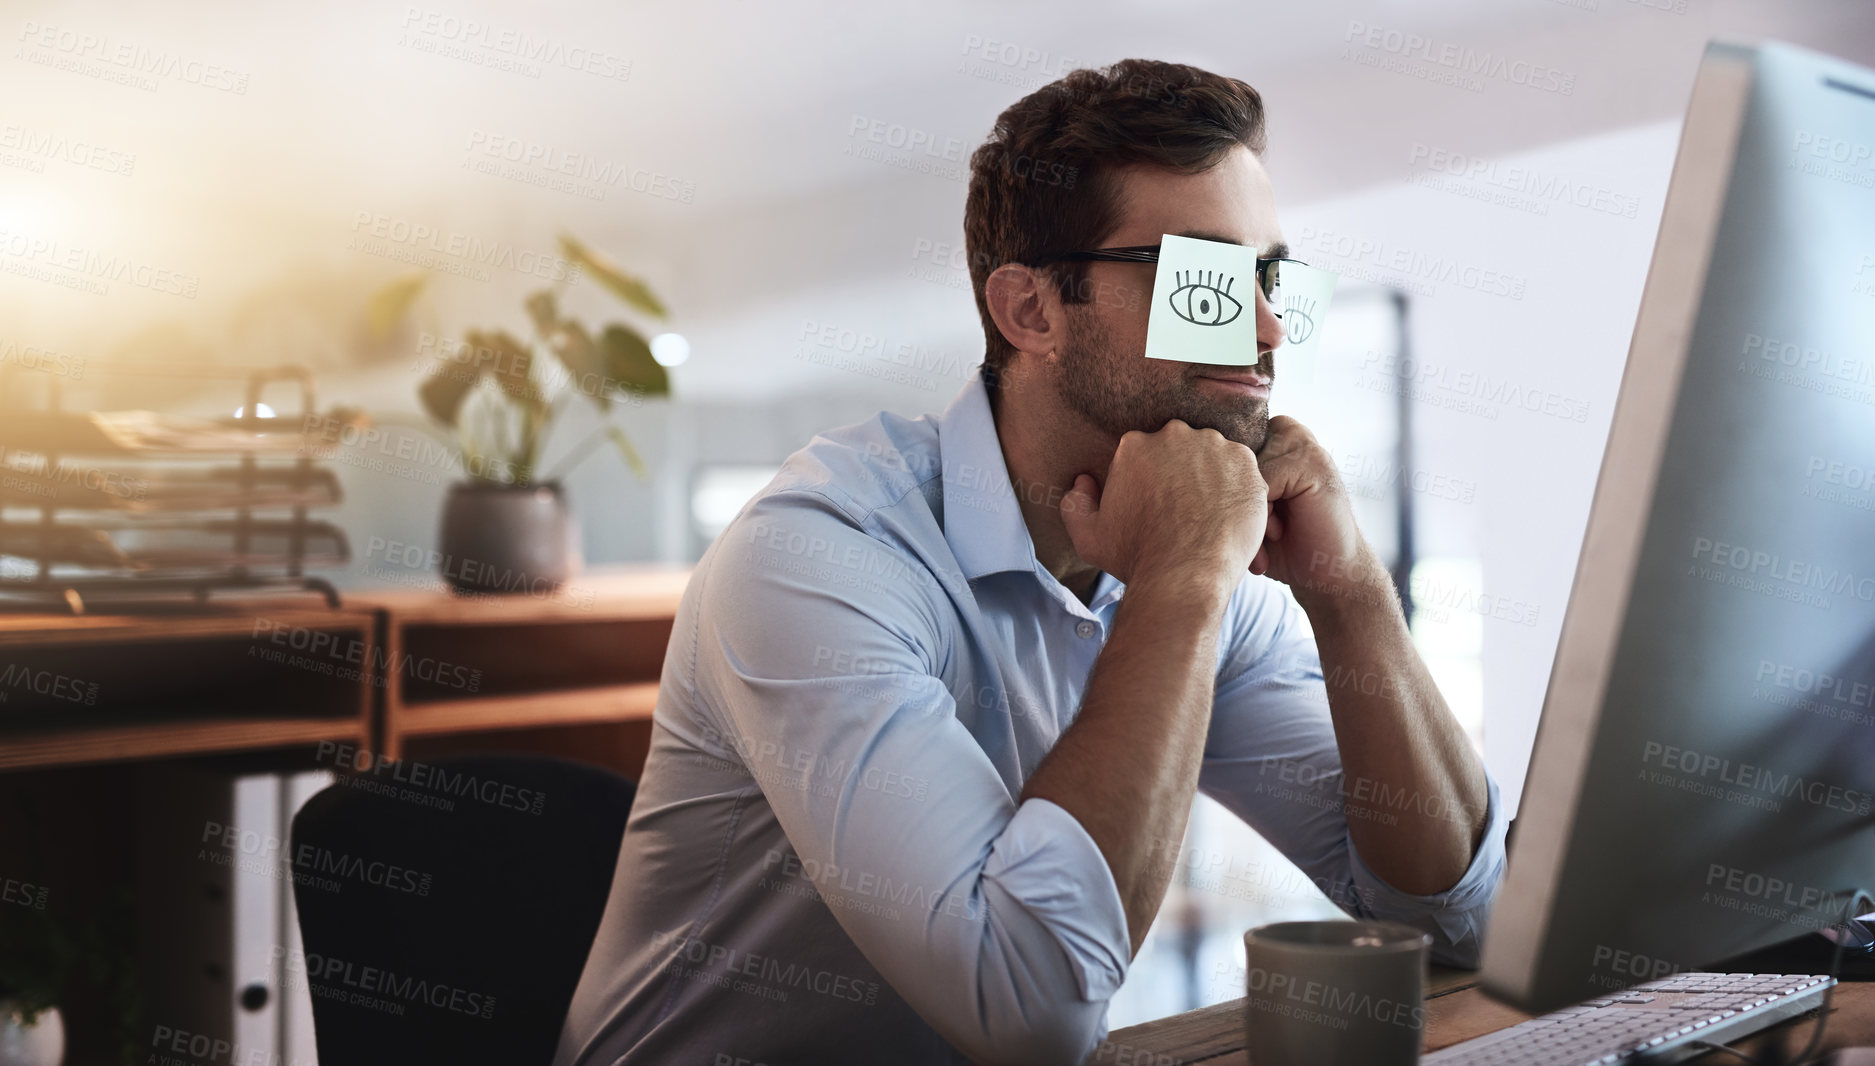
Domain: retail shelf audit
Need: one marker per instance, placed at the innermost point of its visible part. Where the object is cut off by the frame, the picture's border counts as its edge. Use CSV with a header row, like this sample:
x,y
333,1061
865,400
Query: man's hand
x,y
1396,735
1311,542
1177,501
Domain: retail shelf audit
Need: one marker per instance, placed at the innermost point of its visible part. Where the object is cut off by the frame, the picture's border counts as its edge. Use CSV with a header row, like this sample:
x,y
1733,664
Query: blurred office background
x,y
1485,175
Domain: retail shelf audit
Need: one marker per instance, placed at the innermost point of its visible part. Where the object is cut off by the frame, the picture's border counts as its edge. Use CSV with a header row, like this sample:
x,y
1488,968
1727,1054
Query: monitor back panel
x,y
1704,775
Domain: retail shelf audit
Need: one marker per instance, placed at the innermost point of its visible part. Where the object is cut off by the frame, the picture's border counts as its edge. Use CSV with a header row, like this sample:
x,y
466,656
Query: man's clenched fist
x,y
1178,501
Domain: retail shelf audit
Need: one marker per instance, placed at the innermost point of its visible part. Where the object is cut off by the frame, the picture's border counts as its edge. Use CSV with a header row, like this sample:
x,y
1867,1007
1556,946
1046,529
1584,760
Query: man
x,y
936,703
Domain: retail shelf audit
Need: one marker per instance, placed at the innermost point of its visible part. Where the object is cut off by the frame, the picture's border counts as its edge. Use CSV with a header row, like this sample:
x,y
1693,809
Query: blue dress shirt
x,y
827,861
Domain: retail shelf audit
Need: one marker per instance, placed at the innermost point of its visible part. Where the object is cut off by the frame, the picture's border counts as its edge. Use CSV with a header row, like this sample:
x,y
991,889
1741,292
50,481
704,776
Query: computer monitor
x,y
1704,769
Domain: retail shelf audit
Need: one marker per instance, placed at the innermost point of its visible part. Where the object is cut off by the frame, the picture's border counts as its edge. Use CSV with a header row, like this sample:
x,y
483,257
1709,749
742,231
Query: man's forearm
x,y
1127,767
1414,791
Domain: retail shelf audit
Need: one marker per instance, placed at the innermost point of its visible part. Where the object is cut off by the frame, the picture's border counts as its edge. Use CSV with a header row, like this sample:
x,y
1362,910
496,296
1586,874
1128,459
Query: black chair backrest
x,y
447,908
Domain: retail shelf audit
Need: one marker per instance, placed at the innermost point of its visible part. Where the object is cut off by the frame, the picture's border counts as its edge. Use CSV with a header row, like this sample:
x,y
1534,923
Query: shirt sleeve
x,y
1271,758
819,647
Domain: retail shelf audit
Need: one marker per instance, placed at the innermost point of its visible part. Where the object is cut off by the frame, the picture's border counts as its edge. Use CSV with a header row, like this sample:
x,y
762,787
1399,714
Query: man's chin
x,y
1246,421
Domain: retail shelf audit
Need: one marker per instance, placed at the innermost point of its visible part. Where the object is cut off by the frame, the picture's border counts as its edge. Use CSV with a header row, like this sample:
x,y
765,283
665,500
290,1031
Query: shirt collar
x,y
982,520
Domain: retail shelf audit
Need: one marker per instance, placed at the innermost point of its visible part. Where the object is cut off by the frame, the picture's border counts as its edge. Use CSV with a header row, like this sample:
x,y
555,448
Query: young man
x,y
937,702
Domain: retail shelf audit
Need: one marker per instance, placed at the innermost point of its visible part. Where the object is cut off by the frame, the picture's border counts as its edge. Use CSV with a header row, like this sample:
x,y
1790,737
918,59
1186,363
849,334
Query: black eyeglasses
x,y
1269,271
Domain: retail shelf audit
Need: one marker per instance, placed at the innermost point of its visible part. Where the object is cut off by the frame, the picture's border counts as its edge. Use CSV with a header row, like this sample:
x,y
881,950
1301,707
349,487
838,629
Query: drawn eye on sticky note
x,y
1203,303
1302,298
1203,298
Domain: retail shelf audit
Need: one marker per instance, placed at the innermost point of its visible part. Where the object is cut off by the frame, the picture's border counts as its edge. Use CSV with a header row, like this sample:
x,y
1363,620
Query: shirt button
x,y
1085,629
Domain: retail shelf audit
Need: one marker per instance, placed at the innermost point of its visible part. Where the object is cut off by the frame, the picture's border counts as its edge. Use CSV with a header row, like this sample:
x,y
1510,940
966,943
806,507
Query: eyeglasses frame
x,y
1149,253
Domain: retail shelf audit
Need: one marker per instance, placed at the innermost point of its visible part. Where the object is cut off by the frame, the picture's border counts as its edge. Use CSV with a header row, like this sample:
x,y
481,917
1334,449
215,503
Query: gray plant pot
x,y
508,538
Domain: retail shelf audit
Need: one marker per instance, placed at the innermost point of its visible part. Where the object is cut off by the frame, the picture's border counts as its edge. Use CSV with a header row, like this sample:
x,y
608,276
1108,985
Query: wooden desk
x,y
77,691
1456,1010
573,674
410,672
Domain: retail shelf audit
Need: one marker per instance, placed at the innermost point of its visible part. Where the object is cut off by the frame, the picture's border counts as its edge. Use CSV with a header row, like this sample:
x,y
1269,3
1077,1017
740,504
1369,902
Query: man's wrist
x,y
1335,585
1200,588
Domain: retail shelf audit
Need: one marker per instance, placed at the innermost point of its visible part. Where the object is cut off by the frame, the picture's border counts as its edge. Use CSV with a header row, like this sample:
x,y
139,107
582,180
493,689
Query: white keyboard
x,y
1654,1022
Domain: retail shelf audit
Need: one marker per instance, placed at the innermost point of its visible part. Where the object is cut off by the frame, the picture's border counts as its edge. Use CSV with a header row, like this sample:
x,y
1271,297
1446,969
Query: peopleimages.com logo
x,y
1757,779
376,987
436,785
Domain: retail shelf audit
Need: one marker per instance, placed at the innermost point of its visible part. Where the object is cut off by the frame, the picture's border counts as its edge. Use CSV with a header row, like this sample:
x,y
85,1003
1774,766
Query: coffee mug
x,y
1341,993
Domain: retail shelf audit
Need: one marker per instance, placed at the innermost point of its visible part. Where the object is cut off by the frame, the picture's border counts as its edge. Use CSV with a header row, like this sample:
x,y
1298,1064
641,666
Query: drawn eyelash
x,y
1218,281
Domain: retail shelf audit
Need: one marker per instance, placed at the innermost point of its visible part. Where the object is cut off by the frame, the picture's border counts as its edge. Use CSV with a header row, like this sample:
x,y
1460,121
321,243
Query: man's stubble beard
x,y
1116,392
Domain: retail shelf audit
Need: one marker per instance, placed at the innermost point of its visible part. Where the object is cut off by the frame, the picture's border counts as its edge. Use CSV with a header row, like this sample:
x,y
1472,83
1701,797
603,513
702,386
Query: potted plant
x,y
42,957
508,527
32,1032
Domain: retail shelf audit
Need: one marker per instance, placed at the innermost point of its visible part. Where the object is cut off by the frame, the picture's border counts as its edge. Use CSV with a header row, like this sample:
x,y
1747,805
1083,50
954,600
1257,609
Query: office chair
x,y
468,892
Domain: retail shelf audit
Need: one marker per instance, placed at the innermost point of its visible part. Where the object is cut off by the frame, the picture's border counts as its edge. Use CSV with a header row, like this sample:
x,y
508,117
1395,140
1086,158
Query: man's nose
x,y
1270,331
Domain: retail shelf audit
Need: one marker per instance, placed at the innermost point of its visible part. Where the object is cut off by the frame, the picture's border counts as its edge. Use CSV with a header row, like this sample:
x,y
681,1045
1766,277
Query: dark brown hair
x,y
1046,179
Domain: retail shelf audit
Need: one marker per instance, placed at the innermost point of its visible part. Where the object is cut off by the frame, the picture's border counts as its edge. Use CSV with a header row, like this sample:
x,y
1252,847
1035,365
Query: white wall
x,y
1519,330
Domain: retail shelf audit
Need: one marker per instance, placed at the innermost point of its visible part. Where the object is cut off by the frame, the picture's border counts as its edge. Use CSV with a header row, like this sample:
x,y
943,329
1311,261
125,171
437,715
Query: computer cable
x,y
1775,1057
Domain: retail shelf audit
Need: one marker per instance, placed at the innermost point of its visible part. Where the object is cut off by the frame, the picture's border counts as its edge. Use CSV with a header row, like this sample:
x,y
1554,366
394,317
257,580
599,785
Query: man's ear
x,y
1026,308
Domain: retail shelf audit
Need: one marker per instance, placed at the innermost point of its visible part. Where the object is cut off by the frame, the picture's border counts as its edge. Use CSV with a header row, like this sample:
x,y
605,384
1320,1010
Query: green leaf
x,y
389,304
607,273
544,309
624,445
443,392
494,353
619,360
583,359
628,357
508,360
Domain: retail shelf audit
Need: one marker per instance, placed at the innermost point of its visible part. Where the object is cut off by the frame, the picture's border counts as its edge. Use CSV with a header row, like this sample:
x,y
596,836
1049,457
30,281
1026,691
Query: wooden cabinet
x,y
99,689
573,674
400,672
